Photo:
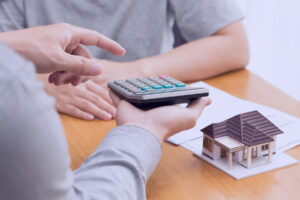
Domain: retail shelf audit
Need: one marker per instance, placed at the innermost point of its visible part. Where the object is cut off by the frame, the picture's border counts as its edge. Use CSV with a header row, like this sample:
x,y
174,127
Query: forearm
x,y
120,166
204,58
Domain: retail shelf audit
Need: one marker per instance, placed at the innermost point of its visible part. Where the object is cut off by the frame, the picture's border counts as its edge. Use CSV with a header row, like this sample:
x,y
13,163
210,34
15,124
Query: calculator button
x,y
157,87
171,80
180,85
163,76
168,86
120,82
145,88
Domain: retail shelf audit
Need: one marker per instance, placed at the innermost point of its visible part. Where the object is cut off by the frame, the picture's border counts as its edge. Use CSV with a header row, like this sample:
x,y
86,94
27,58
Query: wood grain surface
x,y
181,175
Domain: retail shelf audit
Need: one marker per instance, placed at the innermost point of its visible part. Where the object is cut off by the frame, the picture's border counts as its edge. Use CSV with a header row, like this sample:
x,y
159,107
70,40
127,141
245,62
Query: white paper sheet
x,y
225,106
279,160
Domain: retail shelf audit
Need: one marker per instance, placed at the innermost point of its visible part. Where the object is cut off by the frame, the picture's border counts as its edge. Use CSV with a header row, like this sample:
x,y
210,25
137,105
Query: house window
x,y
207,144
265,147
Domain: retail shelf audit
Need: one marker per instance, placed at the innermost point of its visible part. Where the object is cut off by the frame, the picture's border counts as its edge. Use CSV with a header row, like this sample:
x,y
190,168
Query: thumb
x,y
198,105
115,99
80,65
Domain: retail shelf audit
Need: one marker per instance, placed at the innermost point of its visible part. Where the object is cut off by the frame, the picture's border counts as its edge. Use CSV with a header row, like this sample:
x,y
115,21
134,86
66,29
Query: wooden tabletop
x,y
181,175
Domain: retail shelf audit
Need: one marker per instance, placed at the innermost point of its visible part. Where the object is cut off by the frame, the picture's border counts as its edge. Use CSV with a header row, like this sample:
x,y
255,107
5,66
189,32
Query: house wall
x,y
217,152
266,152
239,156
261,152
236,156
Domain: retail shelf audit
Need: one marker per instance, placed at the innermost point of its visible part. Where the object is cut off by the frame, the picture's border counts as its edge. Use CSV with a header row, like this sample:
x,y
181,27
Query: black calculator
x,y
156,91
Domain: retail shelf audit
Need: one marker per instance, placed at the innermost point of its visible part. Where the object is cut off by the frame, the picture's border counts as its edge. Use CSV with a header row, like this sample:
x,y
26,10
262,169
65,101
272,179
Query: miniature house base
x,y
248,139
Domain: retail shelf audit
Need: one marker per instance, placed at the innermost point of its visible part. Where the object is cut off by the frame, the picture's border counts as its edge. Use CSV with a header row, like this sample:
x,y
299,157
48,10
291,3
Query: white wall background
x,y
273,28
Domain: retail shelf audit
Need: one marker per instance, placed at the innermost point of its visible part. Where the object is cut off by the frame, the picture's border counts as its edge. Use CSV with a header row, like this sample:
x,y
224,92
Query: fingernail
x,y
89,117
113,115
96,68
107,116
123,51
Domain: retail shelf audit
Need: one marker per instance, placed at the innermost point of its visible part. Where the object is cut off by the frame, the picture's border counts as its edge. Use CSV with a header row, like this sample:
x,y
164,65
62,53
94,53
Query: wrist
x,y
19,45
9,41
159,132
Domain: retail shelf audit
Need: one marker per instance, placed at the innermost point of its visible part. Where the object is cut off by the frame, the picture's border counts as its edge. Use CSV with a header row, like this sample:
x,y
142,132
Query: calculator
x,y
156,91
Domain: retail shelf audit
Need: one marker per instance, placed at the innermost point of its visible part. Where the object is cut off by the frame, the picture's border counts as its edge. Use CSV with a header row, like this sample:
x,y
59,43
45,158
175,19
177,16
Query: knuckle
x,y
85,105
81,65
64,25
192,121
74,111
98,100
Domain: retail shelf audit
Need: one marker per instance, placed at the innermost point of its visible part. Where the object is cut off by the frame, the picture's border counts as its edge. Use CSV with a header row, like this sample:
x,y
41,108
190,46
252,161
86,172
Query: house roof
x,y
250,128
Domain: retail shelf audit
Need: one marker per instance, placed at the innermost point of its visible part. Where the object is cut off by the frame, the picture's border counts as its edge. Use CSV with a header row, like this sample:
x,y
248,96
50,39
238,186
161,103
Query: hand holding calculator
x,y
156,91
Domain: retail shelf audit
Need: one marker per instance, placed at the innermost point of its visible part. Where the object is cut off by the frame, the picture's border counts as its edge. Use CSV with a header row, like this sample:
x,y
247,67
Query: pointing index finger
x,y
93,38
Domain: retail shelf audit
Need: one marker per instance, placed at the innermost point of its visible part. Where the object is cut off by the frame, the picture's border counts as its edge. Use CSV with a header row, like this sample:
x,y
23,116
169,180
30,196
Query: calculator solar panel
x,y
156,91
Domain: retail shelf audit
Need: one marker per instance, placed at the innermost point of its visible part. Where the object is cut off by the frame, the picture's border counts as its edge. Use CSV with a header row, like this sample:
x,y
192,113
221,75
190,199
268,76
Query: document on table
x,y
225,106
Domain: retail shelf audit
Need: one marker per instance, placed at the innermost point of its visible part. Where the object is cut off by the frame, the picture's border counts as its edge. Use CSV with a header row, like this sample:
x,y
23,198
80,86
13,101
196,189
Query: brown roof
x,y
250,128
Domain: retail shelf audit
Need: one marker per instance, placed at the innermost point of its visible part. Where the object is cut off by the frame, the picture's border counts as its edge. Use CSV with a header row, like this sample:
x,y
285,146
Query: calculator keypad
x,y
152,85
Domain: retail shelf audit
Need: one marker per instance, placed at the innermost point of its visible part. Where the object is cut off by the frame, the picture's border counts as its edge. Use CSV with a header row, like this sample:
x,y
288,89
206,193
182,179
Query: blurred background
x,y
273,28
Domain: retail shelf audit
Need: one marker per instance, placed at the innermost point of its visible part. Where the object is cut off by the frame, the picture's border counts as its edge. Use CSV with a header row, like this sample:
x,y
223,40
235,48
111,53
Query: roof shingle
x,y
250,128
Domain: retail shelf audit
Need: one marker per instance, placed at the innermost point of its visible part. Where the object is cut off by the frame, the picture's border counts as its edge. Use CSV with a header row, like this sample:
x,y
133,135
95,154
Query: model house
x,y
248,139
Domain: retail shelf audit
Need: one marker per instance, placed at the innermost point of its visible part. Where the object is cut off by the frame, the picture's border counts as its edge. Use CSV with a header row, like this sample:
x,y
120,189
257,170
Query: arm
x,y
127,156
116,170
33,143
224,51
216,43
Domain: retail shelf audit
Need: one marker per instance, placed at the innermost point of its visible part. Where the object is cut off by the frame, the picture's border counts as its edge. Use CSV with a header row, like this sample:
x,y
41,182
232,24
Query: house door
x,y
223,153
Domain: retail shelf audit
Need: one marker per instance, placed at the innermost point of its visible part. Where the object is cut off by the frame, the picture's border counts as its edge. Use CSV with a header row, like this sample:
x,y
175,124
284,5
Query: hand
x,y
164,121
118,70
59,47
86,101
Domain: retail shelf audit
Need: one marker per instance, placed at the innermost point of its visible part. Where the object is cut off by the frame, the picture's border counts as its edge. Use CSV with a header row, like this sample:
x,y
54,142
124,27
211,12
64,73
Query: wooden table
x,y
181,175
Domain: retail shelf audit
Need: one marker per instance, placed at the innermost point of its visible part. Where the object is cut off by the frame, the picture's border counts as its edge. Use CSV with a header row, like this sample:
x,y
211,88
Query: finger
x,y
62,78
198,105
90,107
85,78
115,99
81,51
98,100
75,80
75,111
79,65
99,90
93,38
81,79
67,77
53,76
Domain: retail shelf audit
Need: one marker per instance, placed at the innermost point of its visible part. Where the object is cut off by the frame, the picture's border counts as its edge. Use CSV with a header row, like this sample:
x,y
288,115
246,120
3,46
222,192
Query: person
x,y
215,42
33,148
